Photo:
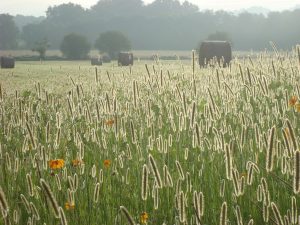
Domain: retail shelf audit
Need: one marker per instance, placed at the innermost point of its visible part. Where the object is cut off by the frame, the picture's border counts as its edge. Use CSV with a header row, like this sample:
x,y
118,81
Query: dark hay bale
x,y
96,62
7,62
125,59
212,52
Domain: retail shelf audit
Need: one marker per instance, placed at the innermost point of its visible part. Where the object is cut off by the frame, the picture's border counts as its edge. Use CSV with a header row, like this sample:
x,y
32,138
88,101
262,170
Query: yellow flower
x,y
297,106
144,217
56,164
243,174
109,122
76,162
69,206
107,163
293,100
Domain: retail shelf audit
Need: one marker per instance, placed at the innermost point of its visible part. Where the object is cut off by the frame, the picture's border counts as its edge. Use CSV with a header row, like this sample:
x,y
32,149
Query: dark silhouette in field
x,y
125,59
7,62
210,51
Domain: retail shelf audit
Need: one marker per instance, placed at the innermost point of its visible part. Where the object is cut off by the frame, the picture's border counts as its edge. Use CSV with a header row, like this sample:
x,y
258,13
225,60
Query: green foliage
x,y
112,42
8,32
75,46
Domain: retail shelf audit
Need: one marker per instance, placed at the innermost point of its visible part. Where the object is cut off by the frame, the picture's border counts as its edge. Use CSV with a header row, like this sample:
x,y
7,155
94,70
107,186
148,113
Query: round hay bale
x,y
96,62
125,59
7,62
212,52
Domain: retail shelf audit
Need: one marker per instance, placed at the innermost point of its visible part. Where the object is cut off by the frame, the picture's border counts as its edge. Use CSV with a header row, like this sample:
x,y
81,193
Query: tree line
x,y
161,25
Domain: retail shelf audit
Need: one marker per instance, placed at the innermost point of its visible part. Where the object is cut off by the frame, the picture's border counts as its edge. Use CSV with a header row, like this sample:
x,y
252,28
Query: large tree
x,y
41,47
112,42
75,46
8,32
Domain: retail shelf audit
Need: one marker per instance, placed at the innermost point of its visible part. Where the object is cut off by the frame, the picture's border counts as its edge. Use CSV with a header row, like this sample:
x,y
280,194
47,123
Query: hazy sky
x,y
38,7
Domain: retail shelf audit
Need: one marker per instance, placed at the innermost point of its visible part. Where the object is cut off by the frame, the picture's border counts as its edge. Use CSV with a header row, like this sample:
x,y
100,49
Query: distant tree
x,y
75,46
41,47
32,33
117,8
219,36
65,13
112,42
8,32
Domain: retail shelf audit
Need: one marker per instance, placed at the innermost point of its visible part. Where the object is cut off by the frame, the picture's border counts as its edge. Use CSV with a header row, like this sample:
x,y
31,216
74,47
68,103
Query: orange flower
x,y
144,217
293,100
107,163
69,206
109,122
56,164
297,106
77,162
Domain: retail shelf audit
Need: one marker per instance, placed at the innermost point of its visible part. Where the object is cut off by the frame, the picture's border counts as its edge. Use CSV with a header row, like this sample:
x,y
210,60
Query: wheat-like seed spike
x,y
182,216
34,211
29,184
96,192
63,219
145,182
238,215
266,213
296,172
270,151
250,175
155,171
294,215
26,203
58,183
277,214
223,214
127,215
286,142
196,204
3,201
292,134
30,135
51,198
228,162
179,168
235,182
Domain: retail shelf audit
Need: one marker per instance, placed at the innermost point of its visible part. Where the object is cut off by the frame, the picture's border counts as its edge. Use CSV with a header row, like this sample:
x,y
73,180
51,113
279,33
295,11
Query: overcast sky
x,y
38,7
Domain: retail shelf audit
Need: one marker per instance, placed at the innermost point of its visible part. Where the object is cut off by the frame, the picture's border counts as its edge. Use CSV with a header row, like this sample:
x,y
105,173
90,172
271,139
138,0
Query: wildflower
x,y
109,122
107,163
293,100
56,164
144,217
76,162
297,107
243,174
69,206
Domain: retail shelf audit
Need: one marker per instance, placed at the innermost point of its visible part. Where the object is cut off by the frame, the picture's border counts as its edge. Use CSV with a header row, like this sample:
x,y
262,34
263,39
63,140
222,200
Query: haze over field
x,y
152,25
38,8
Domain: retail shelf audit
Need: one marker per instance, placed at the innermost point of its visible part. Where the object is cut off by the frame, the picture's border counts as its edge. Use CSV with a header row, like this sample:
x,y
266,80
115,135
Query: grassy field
x,y
137,53
167,143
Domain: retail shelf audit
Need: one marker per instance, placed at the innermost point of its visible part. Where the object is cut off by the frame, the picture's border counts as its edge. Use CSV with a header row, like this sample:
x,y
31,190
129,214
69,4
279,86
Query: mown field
x,y
162,142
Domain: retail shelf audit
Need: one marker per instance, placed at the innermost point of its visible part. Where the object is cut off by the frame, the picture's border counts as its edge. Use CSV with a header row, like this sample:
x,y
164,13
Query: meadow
x,y
161,142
